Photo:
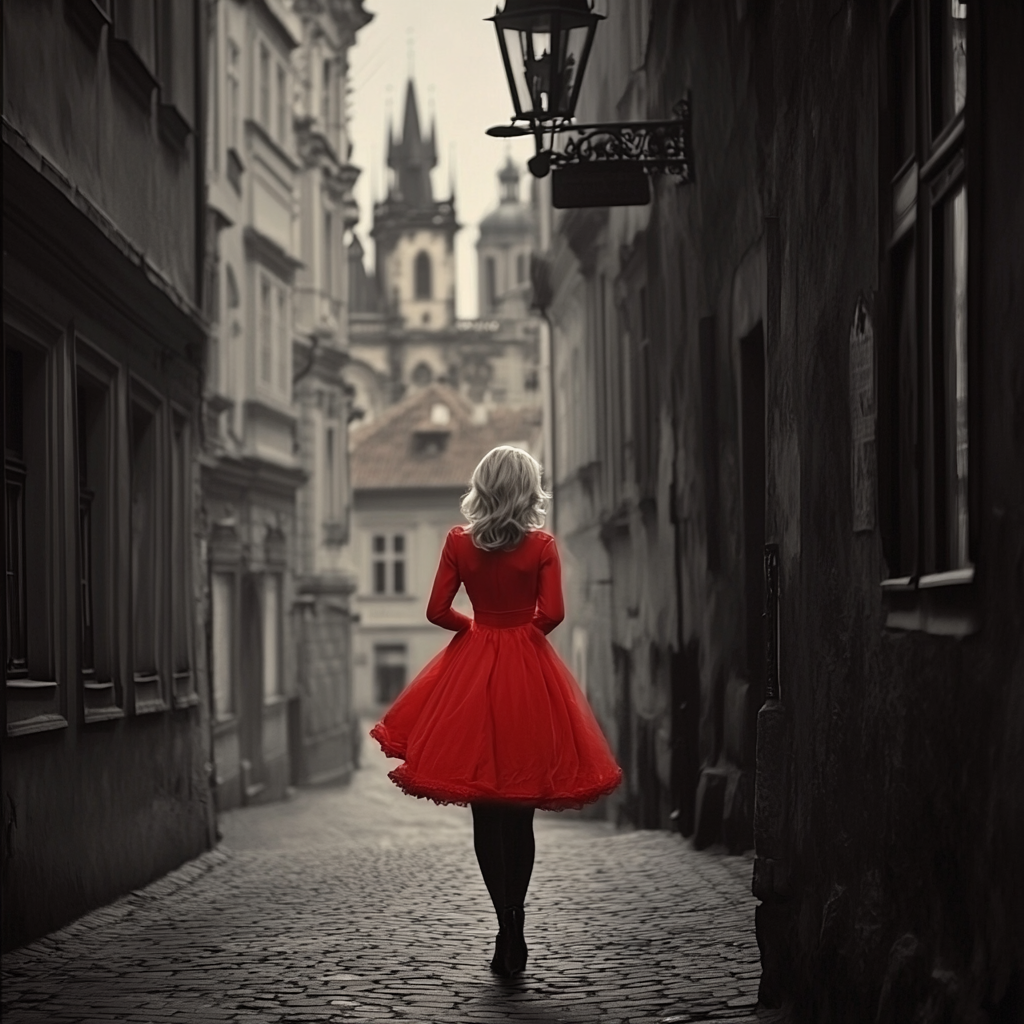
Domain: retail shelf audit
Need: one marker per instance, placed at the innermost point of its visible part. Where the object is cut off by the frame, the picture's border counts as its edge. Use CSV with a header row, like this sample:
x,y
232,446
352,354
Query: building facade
x,y
275,475
106,741
788,482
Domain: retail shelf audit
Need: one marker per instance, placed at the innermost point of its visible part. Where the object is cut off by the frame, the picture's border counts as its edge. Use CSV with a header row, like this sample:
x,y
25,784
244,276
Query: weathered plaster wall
x,y
62,95
901,817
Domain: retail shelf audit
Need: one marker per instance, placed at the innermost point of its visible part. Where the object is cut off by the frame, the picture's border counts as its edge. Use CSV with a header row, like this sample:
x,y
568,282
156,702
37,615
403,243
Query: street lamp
x,y
544,46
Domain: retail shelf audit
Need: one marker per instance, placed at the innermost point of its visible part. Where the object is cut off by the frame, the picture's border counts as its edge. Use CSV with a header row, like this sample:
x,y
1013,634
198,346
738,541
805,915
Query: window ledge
x,y
31,684
955,578
380,598
941,604
150,707
188,701
275,700
38,723
103,714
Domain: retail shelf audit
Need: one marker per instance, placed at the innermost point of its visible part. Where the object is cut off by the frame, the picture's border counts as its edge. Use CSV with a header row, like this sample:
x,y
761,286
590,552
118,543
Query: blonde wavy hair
x,y
505,499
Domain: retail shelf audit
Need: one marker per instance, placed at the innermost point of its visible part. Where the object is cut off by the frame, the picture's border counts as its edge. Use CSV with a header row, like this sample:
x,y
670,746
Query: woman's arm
x,y
446,586
550,607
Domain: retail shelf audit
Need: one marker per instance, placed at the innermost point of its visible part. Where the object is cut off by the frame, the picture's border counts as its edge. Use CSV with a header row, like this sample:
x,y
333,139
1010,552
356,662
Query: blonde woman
x,y
496,720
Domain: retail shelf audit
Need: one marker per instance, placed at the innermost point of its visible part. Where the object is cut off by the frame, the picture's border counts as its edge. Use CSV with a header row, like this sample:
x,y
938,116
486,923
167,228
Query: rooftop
x,y
433,439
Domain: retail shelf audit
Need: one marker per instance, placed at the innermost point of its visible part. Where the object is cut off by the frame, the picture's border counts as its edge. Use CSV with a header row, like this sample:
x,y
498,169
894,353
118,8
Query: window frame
x,y
261,94
389,563
149,687
181,455
922,591
103,696
273,667
277,326
227,576
281,92
423,276
233,73
36,699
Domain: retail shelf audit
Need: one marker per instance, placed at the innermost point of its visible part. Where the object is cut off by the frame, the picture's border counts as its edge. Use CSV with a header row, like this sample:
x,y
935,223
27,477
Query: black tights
x,y
503,840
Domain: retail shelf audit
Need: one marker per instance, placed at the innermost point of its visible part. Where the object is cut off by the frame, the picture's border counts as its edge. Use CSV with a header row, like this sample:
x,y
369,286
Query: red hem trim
x,y
445,793
380,733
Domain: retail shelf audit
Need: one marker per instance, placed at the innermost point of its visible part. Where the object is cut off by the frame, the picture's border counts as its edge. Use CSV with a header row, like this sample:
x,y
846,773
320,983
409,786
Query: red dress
x,y
496,716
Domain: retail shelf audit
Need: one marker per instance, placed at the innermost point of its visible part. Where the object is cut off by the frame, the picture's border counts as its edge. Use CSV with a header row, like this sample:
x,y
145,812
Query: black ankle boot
x,y
500,952
515,944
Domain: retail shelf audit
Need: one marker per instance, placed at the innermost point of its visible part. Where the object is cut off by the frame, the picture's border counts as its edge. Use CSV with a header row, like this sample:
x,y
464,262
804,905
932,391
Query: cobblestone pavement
x,y
362,904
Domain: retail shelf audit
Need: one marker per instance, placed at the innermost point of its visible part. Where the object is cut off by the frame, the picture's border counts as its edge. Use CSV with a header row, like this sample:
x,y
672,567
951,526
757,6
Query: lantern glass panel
x,y
544,67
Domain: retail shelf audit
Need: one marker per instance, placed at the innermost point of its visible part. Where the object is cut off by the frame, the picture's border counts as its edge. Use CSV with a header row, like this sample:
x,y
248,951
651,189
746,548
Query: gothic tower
x,y
415,234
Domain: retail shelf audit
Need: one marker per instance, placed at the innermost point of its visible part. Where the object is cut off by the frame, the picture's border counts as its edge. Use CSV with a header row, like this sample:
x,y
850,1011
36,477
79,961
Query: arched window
x,y
491,281
422,276
520,268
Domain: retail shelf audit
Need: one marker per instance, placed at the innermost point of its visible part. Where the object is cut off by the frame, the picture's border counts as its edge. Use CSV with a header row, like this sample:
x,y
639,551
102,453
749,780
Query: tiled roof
x,y
403,448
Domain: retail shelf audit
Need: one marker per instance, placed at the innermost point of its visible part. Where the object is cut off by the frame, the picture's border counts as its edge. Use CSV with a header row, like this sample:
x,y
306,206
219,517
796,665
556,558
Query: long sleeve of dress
x,y
550,606
446,586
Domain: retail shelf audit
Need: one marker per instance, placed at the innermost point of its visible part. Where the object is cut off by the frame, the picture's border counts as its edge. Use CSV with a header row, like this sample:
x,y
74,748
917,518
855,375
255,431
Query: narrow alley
x,y
361,904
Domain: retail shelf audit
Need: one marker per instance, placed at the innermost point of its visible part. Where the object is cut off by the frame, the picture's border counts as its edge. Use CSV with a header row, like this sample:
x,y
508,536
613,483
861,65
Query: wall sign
x,y
862,418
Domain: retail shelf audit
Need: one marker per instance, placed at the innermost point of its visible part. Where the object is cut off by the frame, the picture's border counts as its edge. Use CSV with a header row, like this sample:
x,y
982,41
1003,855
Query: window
x,y
520,268
490,282
33,696
146,546
388,564
96,579
181,561
222,597
282,104
331,495
328,254
422,276
15,487
284,349
264,86
274,341
924,496
266,332
271,635
234,112
398,565
325,95
390,669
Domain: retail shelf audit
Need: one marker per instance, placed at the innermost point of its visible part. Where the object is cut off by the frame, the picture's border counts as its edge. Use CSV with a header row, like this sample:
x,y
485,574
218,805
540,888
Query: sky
x,y
457,68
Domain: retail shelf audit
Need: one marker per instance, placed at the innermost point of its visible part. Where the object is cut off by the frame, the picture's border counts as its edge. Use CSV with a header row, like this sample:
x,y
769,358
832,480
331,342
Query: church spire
x,y
414,157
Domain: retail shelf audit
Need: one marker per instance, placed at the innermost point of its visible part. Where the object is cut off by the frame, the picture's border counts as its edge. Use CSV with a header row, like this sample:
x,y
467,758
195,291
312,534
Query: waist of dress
x,y
504,620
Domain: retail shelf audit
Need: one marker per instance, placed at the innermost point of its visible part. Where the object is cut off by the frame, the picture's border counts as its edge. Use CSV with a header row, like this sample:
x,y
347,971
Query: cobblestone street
x,y
361,904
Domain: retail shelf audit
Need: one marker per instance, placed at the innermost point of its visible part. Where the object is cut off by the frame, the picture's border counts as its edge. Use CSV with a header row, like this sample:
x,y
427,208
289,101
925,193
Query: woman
x,y
496,719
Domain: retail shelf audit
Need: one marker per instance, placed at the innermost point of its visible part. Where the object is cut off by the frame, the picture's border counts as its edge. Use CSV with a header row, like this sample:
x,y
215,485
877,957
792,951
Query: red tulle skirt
x,y
496,716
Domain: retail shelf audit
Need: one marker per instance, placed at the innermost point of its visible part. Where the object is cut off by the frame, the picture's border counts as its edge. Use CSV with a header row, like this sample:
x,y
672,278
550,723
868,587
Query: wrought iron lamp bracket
x,y
654,146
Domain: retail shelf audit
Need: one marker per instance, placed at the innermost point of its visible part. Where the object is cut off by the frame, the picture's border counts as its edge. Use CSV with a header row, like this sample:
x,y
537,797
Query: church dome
x,y
512,217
